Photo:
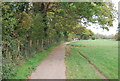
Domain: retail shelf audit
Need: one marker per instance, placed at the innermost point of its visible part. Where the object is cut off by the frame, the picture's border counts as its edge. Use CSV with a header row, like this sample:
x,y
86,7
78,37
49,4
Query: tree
x,y
117,35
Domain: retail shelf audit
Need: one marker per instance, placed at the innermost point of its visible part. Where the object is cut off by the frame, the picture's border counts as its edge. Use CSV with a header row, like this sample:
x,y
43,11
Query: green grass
x,y
78,68
102,53
24,70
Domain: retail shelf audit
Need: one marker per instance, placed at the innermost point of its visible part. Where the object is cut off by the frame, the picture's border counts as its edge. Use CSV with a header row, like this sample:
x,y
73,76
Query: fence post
x,y
42,44
6,52
30,46
18,48
30,43
37,44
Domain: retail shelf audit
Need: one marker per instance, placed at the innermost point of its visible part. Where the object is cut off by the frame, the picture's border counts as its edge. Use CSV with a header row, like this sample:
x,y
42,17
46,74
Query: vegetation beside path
x,y
102,53
24,70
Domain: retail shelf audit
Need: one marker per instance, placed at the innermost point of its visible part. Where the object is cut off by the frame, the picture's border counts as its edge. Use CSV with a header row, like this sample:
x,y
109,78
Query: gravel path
x,y
53,66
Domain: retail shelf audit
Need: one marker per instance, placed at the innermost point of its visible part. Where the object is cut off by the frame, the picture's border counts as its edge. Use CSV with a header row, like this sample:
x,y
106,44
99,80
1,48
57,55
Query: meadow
x,y
103,54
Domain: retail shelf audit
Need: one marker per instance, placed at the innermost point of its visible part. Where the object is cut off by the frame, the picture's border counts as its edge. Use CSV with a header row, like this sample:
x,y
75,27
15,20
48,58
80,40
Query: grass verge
x,y
78,68
24,69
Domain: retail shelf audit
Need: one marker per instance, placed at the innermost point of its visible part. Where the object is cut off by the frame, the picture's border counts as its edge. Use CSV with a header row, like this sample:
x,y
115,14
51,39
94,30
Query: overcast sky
x,y
112,29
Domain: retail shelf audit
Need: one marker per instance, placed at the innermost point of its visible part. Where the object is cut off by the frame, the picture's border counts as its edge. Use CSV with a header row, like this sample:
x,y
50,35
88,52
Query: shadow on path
x,y
53,66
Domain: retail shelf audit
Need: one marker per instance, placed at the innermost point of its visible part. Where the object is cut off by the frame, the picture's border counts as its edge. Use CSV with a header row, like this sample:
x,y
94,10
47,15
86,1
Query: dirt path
x,y
53,66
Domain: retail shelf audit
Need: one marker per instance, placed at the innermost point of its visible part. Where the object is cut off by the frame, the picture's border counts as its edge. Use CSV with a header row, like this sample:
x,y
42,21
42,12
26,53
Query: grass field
x,y
102,53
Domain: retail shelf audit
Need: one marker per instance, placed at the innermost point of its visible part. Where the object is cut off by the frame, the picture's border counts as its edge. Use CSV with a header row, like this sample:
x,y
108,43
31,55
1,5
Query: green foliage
x,y
9,70
29,28
87,34
37,29
81,32
93,37
117,35
119,27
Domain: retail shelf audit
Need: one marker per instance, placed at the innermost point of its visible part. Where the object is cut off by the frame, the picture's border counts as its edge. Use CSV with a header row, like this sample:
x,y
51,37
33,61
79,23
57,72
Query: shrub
x,y
93,38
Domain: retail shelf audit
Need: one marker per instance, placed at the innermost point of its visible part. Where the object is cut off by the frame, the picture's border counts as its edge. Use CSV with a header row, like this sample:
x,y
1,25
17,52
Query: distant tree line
x,y
101,36
82,33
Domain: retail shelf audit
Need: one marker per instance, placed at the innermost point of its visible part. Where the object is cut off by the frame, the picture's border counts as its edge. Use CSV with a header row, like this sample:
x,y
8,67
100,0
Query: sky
x,y
112,30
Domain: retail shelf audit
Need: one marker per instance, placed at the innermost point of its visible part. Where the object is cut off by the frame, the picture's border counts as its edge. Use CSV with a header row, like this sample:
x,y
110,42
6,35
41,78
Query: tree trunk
x,y
37,42
42,44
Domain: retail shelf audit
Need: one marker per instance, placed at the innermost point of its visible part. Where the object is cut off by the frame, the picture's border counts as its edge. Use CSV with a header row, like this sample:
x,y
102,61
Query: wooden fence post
x,y
30,46
30,43
37,44
18,48
42,44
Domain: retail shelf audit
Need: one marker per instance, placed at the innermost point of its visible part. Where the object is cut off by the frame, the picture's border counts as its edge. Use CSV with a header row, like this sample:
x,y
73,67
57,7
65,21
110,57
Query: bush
x,y
117,36
93,38
8,70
